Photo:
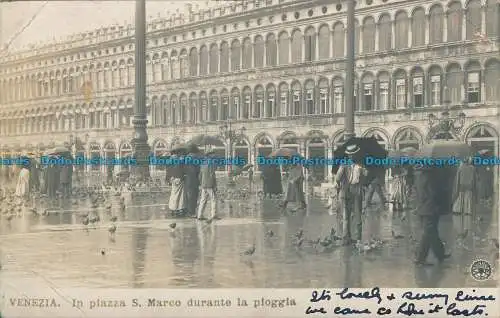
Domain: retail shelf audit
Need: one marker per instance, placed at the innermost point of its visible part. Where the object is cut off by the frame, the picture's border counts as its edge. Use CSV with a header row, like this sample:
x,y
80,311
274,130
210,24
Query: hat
x,y
352,149
210,152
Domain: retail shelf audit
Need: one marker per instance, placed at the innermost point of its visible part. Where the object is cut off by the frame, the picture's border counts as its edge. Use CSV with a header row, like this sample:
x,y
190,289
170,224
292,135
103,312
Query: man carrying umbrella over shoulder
x,y
208,184
192,172
349,182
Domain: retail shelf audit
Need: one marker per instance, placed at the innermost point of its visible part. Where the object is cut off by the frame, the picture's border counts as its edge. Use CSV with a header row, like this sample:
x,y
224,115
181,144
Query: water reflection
x,y
145,252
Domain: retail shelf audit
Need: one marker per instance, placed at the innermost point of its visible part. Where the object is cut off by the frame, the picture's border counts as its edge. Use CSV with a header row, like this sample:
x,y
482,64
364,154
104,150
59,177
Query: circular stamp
x,y
481,270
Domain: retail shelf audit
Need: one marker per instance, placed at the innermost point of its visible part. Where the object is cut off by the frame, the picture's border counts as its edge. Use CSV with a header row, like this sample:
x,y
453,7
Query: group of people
x,y
48,179
193,186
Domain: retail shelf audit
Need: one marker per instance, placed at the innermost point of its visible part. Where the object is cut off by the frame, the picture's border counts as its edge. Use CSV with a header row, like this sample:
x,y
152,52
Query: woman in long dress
x,y
23,183
399,189
465,195
177,203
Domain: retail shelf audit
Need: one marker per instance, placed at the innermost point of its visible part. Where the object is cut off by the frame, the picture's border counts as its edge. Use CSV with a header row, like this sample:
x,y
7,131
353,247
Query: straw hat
x,y
352,149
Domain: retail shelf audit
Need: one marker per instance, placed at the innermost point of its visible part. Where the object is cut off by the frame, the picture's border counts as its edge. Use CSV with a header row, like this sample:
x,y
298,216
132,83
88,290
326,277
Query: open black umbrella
x,y
369,146
180,149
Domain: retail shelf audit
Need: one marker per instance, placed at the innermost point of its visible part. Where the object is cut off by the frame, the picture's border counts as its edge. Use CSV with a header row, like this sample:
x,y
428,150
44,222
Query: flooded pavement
x,y
146,252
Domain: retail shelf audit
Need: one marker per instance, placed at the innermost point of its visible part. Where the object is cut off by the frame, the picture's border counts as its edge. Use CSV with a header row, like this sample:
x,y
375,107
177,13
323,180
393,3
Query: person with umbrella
x,y
208,184
34,174
176,175
348,184
192,172
465,194
52,178
66,176
23,181
271,180
429,209
295,186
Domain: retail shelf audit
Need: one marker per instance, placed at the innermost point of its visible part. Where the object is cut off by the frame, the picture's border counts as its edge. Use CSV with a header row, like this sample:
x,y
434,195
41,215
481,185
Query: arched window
x,y
492,84
384,91
203,60
454,80
368,98
214,59
473,82
407,138
338,95
116,75
193,62
259,50
357,37
310,98
156,69
235,55
418,27
224,57
417,90
174,62
270,110
369,35
400,92
296,99
247,54
284,93
435,78
324,42
183,61
324,94
310,44
385,33
454,22
297,46
271,50
338,40
436,17
259,102
214,106
474,20
401,29
492,19
193,109
284,48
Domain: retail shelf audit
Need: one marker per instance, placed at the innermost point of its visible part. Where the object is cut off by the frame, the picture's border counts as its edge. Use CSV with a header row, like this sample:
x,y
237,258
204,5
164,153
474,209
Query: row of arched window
x,y
414,29
382,91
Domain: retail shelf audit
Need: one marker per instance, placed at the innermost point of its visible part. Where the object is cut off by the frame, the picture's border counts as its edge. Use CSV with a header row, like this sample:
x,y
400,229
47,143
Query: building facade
x,y
271,70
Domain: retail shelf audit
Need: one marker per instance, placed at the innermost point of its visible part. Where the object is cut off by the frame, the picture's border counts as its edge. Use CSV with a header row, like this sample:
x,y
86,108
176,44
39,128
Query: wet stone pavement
x,y
53,244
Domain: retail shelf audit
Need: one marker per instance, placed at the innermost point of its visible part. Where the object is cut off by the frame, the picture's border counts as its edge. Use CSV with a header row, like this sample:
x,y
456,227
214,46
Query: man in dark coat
x,y
52,179
66,177
192,172
271,180
34,175
295,187
429,210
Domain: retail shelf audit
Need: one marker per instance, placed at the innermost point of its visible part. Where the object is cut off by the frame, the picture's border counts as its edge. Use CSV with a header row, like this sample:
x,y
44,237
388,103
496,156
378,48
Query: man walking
x,y
192,182
349,187
377,181
429,211
208,184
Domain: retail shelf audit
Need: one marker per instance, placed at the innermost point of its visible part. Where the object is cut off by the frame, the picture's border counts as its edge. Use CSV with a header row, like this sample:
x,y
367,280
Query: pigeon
x,y
86,221
250,251
103,252
463,235
396,236
270,233
114,218
172,225
299,234
112,229
495,242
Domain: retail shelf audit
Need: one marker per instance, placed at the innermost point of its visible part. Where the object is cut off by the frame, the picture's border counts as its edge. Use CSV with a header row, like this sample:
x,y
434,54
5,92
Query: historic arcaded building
x,y
271,70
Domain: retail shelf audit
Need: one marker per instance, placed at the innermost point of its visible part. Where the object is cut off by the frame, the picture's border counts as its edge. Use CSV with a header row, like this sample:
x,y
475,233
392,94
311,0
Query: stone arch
x,y
263,136
490,130
381,134
400,134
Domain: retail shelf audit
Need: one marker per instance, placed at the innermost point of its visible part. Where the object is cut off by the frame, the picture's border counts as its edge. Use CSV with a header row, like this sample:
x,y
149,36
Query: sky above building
x,y
28,22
